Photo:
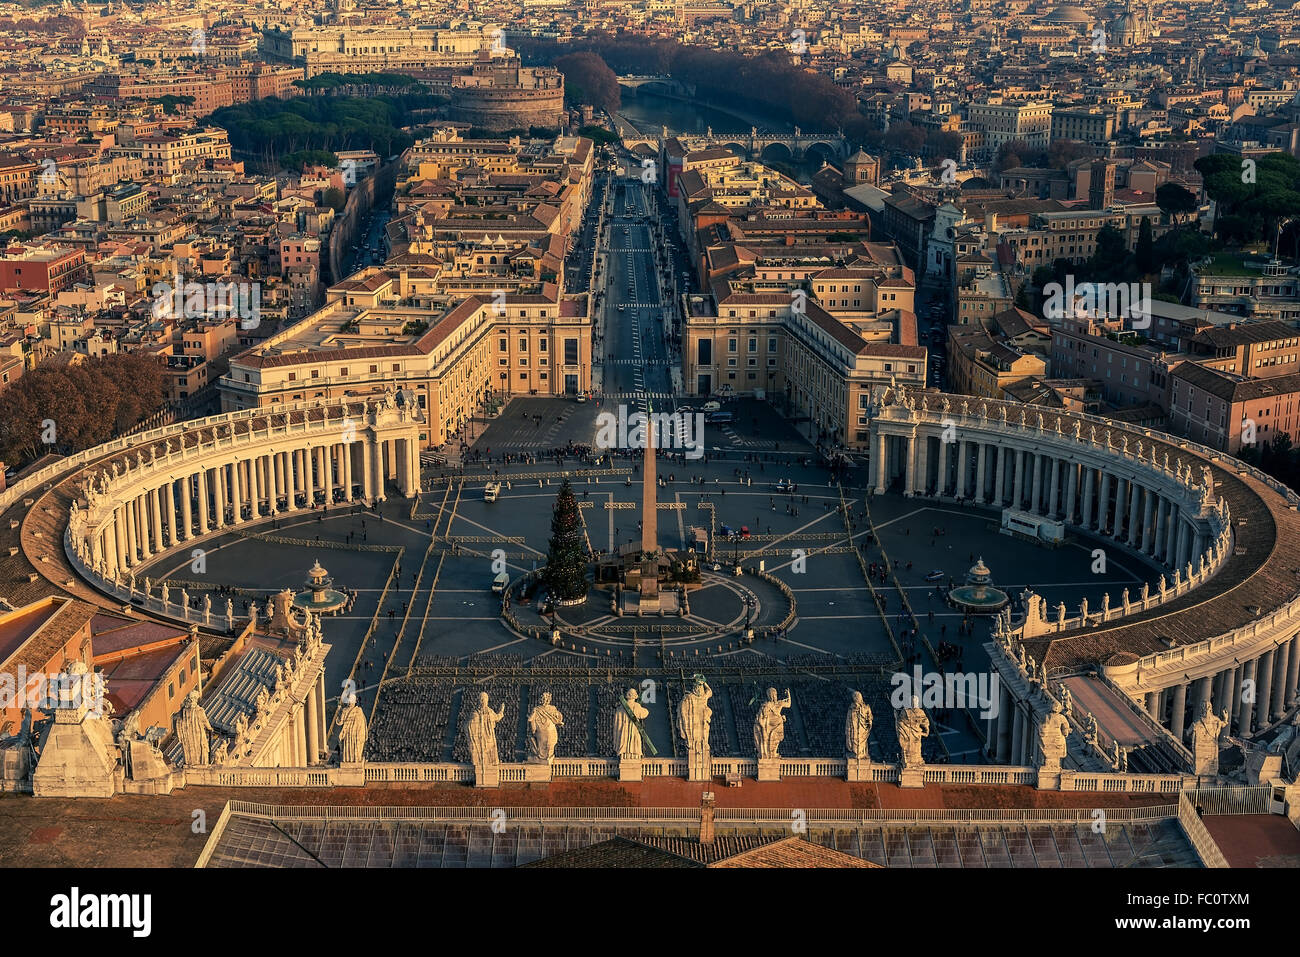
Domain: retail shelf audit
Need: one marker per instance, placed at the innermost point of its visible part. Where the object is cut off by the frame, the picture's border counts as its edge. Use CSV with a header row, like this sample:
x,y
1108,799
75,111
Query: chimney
x,y
706,817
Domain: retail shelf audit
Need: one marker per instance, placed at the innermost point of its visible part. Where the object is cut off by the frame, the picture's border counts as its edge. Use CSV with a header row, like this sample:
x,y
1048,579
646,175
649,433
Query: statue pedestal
x,y
1049,779
537,772
911,777
629,769
699,766
487,777
859,769
352,775
769,769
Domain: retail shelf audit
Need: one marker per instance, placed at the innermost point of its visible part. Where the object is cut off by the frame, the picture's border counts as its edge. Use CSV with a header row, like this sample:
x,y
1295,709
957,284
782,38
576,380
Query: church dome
x,y
1067,13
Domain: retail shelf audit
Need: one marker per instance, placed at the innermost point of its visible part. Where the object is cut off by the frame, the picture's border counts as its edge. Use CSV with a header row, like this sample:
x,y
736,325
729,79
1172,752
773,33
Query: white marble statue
x,y
481,734
693,718
1052,732
1205,741
627,725
913,726
352,733
544,723
857,728
769,724
192,728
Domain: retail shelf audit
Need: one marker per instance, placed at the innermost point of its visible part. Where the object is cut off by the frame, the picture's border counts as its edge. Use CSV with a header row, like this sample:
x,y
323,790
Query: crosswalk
x,y
644,305
625,396
639,362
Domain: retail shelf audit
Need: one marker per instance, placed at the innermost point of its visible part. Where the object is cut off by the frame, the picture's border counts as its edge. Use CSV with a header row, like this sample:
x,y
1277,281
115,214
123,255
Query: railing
x,y
1198,835
1246,800
691,815
1125,783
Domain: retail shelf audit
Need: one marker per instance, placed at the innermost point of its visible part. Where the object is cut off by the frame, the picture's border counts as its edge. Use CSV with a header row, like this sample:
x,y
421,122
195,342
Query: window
x,y
292,376
523,361
523,345
374,368
503,344
753,343
704,352
731,345
771,343
570,352
541,344
523,375
343,371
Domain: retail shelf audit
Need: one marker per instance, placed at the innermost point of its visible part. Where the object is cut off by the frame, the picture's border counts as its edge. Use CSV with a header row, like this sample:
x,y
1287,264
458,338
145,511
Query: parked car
x,y
711,407
937,575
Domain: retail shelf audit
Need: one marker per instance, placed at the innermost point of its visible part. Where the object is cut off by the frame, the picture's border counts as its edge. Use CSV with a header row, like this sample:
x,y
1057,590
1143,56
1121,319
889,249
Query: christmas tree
x,y
566,562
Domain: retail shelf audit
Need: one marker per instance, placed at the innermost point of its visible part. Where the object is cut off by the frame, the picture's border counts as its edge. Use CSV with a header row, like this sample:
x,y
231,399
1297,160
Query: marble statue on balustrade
x,y
352,733
769,725
628,730
481,734
857,729
544,723
1205,741
693,718
913,726
1053,731
192,728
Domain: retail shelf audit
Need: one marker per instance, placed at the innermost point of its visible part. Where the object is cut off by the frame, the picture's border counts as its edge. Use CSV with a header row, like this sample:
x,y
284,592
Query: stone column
x,y
1018,484
313,722
187,507
155,513
1158,538
322,482
1293,672
941,479
219,490
999,476
882,444
347,471
133,557
377,461
909,460
1089,482
1054,497
1152,704
1281,666
1134,530
119,537
368,471
963,468
1071,492
321,731
1246,707
203,501
1204,687
1180,553
300,730
981,477
1231,683
1002,744
1179,709
1148,526
1264,689
1103,504
1121,509
1036,489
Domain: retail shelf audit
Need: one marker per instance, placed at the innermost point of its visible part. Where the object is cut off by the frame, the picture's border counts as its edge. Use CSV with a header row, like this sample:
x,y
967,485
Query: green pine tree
x,y
1146,248
565,575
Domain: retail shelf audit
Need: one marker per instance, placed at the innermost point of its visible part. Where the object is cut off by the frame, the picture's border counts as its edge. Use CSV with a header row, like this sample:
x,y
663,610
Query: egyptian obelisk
x,y
649,511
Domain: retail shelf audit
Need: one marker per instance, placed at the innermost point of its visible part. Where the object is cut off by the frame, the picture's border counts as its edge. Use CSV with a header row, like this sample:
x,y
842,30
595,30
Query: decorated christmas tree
x,y
566,561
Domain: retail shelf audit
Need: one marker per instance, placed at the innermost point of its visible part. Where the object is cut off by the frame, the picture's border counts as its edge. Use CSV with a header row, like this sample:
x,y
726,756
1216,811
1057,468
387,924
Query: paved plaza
x,y
425,625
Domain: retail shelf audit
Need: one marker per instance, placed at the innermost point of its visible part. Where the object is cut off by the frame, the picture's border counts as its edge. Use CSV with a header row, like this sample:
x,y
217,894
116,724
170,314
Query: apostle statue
x,y
481,733
912,725
544,724
1052,732
1205,741
628,730
857,728
769,724
693,717
192,728
352,733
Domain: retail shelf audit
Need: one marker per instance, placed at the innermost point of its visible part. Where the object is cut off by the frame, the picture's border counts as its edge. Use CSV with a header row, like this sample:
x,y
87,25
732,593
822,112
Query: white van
x,y
711,407
491,491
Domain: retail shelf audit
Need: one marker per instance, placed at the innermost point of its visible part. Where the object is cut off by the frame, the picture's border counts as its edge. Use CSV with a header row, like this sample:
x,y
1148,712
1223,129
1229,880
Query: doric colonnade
x,y
1148,493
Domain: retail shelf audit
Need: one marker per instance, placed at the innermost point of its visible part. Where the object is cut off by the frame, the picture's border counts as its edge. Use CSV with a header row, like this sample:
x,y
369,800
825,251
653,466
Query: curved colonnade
x,y
134,500
1227,535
